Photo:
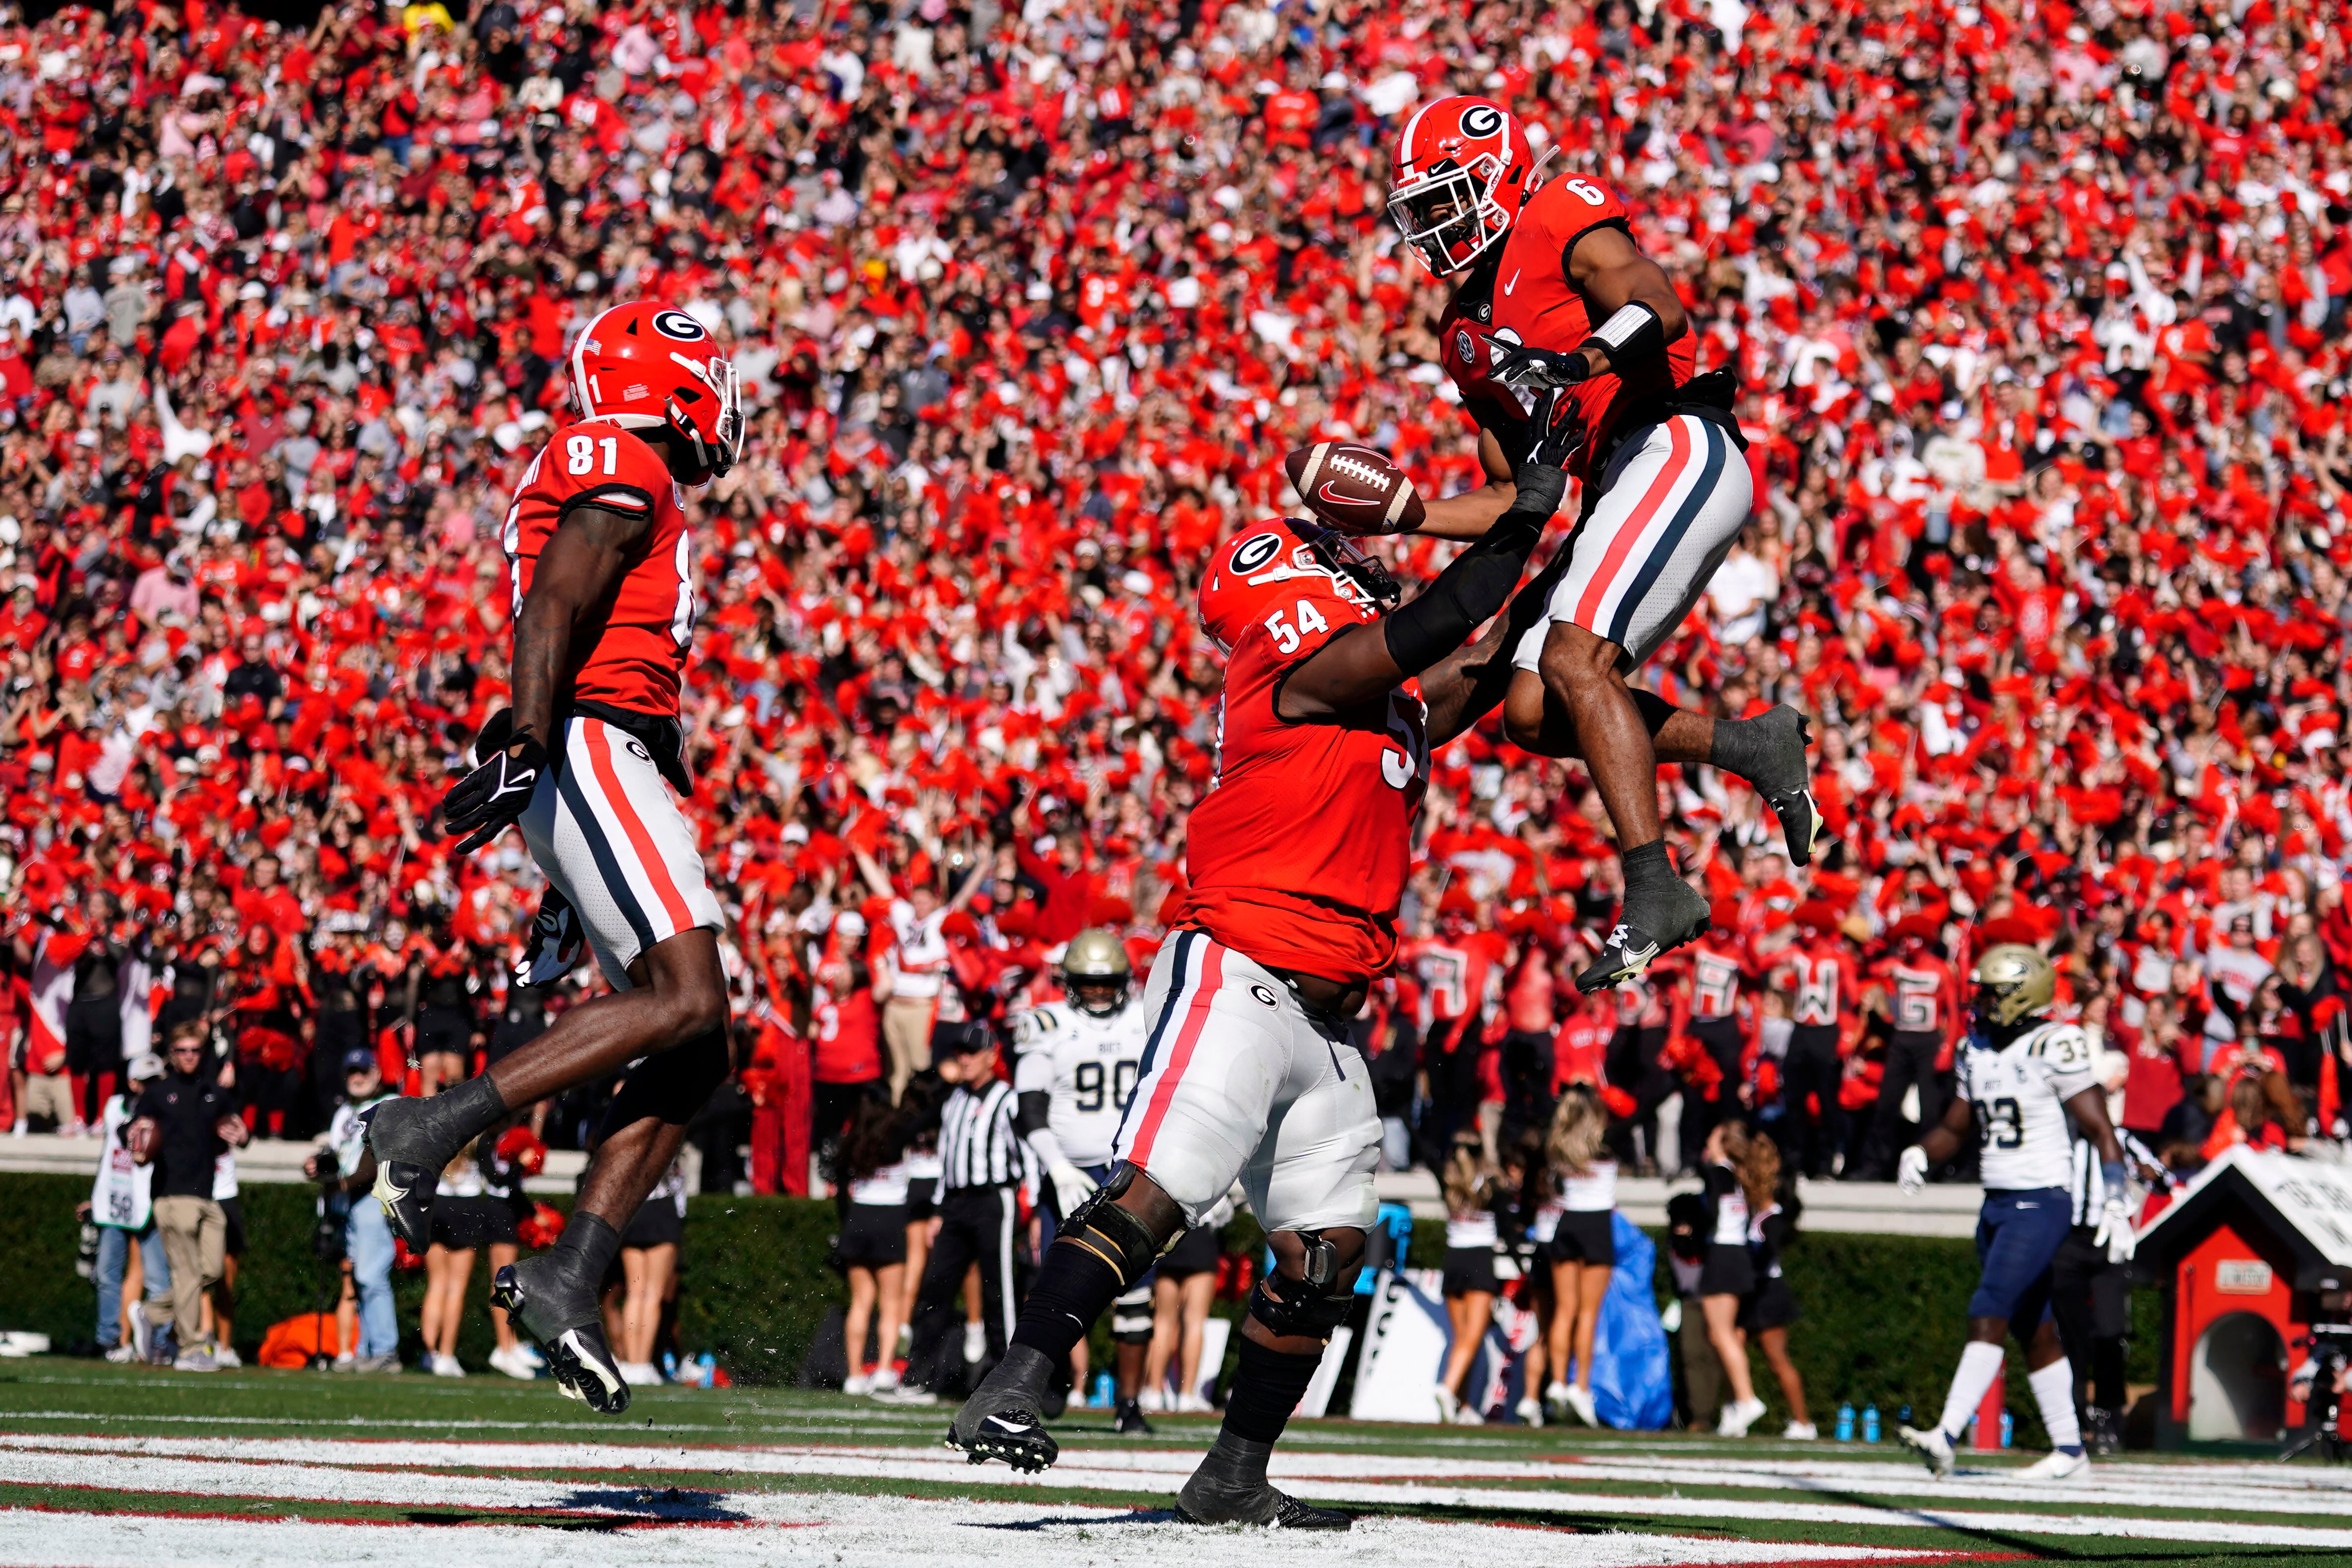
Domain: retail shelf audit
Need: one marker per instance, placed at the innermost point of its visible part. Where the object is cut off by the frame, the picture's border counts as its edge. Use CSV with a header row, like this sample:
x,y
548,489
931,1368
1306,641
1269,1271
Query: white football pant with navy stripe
x,y
604,827
1675,497
1240,1081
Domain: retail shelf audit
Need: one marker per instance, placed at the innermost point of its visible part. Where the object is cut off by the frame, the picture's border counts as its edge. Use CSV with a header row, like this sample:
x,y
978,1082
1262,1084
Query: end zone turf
x,y
103,1466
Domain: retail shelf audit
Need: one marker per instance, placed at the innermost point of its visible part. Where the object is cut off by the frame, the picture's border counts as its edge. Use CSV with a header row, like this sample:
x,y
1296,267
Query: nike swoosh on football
x,y
1332,496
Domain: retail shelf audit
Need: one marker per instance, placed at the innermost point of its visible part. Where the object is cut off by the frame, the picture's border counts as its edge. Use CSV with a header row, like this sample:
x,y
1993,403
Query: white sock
x,y
2053,1390
1980,1365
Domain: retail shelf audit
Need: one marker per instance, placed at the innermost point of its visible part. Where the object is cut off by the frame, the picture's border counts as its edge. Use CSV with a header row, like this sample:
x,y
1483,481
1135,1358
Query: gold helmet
x,y
2014,983
1096,971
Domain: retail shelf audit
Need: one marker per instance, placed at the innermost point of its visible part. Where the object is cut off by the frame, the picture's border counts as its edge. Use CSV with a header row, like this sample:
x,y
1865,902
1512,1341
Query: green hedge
x,y
1883,1316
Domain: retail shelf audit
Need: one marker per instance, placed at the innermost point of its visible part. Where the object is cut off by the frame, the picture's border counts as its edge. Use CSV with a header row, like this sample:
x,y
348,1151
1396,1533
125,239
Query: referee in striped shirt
x,y
2090,1296
983,1162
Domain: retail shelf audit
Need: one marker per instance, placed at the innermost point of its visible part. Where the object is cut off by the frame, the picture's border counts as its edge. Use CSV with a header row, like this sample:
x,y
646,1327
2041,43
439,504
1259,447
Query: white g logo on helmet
x,y
679,325
1481,120
1255,551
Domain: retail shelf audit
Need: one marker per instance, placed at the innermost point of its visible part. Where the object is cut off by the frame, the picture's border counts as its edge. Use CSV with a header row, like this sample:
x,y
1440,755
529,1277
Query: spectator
x,y
121,1206
343,1166
184,1123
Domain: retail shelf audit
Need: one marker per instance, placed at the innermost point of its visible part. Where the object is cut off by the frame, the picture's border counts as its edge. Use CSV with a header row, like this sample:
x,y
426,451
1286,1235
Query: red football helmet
x,y
1247,574
647,366
1464,167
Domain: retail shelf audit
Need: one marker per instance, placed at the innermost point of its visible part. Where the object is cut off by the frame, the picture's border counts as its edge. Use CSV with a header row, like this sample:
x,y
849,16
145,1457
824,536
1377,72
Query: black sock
x,y
587,1247
1767,751
441,1124
1267,1386
1072,1289
1646,865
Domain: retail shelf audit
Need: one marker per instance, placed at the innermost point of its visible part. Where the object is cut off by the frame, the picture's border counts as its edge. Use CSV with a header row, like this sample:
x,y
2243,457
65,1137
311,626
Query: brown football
x,y
1354,489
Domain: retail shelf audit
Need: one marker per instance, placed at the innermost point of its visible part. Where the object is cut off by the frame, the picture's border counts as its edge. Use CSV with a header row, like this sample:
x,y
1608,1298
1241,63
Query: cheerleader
x,y
1581,1249
1739,1174
1469,1185
872,1183
1771,1306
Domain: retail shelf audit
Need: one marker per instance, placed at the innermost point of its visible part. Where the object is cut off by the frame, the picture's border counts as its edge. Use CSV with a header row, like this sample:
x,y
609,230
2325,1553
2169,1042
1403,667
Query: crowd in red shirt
x,y
2039,312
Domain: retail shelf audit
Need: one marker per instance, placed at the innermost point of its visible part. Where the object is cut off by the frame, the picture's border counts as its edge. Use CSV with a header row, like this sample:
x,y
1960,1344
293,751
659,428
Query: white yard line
x,y
309,1467
857,1532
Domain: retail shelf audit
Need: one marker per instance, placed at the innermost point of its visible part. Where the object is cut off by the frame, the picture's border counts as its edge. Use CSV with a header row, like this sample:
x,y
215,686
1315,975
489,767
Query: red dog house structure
x,y
2257,1249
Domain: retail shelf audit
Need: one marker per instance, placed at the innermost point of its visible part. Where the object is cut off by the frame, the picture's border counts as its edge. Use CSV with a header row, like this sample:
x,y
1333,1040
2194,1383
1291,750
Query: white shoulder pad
x,y
1033,1028
2064,1048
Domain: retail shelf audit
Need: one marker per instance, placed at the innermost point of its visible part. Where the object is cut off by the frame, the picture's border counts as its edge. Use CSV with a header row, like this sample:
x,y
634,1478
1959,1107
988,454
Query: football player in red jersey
x,y
1556,297
1296,860
603,616
1928,1006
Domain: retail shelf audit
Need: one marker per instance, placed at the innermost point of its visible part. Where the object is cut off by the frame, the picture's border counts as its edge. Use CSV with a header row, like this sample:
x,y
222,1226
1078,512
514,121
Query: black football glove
x,y
485,800
1523,365
1557,422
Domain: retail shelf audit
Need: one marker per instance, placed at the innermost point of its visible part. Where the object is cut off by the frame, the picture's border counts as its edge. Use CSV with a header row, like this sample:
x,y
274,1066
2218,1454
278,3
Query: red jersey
x,y
1297,855
1716,967
1457,979
1524,296
633,658
1926,994
1821,976
848,1038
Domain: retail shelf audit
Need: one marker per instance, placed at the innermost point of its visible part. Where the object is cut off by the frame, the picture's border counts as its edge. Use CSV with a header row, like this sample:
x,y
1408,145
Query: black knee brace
x,y
1098,1226
1314,1304
673,1085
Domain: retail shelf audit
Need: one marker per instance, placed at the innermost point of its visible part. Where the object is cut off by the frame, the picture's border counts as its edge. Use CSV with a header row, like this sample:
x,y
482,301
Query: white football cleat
x,y
2057,1466
1935,1449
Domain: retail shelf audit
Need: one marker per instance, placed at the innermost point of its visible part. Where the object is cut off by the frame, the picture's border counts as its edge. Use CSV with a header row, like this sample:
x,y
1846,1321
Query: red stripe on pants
x,y
600,758
1196,1017
1621,545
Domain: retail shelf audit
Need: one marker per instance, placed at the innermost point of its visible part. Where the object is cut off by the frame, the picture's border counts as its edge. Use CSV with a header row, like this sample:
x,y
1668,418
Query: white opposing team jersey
x,y
2020,1094
1093,1065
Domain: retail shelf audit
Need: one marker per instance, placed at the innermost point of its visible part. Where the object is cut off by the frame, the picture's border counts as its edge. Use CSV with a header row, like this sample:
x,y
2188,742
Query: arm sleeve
x,y
1474,583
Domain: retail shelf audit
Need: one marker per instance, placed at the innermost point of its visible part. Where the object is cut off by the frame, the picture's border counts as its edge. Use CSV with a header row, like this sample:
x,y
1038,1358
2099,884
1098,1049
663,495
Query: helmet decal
x,y
1481,120
679,325
1256,552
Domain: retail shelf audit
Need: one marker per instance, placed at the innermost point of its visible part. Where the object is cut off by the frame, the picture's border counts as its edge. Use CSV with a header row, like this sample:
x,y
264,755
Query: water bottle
x,y
1846,1423
669,1366
1102,1399
2008,1428
1870,1423
706,1370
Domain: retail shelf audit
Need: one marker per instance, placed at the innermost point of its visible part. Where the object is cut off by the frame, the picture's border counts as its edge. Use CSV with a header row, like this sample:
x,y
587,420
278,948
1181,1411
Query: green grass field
x,y
103,1464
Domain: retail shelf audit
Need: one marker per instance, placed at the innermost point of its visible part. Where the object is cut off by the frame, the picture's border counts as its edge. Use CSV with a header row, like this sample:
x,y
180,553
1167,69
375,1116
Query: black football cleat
x,y
1127,1420
407,1172
1657,922
1786,782
1004,1418
563,1318
1210,1503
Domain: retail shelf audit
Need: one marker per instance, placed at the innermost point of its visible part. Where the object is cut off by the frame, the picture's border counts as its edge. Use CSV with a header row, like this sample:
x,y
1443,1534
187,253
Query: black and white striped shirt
x,y
2090,1184
976,1141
